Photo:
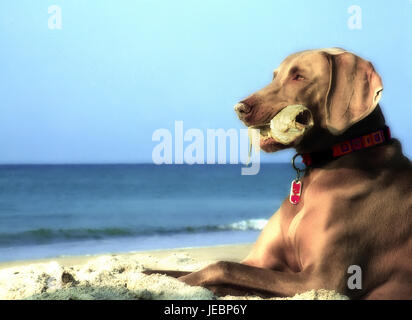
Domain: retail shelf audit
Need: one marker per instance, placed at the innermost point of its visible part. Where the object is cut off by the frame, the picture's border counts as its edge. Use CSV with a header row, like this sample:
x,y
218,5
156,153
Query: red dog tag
x,y
295,191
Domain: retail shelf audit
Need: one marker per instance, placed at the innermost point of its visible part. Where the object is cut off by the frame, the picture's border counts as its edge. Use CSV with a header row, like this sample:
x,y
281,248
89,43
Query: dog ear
x,y
354,91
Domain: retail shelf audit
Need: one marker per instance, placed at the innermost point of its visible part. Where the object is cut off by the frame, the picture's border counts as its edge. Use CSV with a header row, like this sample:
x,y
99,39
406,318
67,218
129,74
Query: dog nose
x,y
242,109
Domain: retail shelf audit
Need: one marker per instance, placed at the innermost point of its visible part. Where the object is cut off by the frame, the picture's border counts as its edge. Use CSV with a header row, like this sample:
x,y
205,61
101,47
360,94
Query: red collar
x,y
348,146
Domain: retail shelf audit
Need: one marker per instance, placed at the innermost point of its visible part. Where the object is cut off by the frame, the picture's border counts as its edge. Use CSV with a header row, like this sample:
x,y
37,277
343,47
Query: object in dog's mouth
x,y
288,126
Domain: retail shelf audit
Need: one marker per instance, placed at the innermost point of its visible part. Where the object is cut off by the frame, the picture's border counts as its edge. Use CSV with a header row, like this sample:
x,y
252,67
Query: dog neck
x,y
319,139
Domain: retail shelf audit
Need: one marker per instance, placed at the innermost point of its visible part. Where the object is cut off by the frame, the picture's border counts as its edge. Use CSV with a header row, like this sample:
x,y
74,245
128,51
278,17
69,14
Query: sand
x,y
119,276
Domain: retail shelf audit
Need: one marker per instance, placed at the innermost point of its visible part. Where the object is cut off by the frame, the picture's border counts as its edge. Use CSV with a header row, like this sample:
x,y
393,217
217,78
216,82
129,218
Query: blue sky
x,y
96,90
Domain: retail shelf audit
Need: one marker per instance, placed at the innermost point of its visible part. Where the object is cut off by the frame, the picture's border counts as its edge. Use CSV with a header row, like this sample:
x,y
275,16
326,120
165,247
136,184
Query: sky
x,y
96,89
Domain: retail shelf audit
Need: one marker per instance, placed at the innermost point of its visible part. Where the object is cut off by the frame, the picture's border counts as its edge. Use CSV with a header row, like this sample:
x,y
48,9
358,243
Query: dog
x,y
349,210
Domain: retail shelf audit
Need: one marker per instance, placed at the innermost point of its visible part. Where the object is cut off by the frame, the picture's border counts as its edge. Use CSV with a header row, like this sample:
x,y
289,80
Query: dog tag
x,y
295,191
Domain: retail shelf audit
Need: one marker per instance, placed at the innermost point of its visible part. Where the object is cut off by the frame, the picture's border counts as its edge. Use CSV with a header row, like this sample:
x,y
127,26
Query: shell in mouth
x,y
288,126
291,123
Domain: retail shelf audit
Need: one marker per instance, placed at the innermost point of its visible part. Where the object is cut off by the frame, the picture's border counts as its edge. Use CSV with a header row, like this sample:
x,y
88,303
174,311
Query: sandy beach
x,y
119,276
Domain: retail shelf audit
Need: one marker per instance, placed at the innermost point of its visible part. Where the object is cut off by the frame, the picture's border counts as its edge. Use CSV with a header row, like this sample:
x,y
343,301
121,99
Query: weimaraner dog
x,y
347,224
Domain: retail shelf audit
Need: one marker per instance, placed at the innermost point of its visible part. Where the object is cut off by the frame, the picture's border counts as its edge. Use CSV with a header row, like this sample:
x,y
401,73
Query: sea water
x,y
58,210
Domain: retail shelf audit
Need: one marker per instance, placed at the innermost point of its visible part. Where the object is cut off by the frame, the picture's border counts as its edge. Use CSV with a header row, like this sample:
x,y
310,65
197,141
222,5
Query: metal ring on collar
x,y
298,170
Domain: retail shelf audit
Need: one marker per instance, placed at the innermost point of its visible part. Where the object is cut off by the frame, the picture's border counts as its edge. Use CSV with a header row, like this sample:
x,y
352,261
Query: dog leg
x,y
170,273
250,279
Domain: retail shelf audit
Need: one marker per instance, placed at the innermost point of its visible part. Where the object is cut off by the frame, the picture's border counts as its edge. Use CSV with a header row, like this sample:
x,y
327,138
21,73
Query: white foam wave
x,y
250,224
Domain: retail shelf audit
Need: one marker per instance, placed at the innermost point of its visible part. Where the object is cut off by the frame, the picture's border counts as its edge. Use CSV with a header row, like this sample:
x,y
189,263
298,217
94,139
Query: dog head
x,y
327,88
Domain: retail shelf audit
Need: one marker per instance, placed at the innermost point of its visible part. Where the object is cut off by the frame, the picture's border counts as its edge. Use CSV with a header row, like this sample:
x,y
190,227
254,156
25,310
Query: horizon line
x,y
123,163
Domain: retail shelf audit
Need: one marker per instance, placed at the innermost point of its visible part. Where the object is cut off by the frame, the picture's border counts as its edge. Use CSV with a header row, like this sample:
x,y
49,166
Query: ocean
x,y
62,210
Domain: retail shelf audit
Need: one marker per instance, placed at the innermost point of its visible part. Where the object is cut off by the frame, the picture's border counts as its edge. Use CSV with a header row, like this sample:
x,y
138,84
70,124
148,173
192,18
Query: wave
x,y
46,235
251,224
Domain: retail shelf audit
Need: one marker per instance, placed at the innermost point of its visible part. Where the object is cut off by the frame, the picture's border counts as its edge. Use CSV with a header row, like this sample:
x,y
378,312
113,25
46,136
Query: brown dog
x,y
355,209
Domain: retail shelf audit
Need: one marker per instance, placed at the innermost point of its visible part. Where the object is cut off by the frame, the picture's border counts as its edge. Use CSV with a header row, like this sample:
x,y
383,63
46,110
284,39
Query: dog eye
x,y
298,77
